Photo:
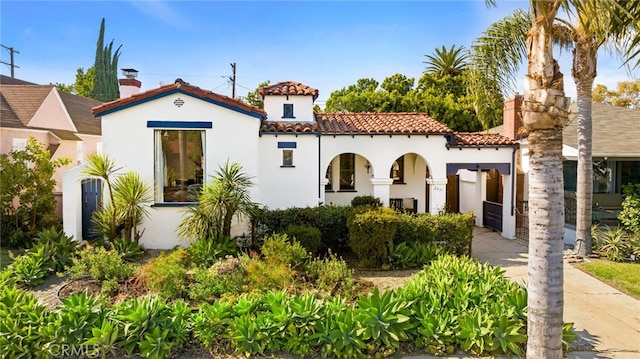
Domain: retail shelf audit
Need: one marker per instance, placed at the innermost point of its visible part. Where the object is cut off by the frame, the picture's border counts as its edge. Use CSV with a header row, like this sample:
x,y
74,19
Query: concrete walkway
x,y
603,317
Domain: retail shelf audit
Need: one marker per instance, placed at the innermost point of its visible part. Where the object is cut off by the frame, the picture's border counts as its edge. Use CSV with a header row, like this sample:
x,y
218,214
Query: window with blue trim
x,y
179,165
288,111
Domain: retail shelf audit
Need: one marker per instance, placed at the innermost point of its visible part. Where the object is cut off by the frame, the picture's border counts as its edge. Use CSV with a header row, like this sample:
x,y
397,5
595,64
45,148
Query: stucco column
x,y
381,189
323,183
508,216
481,192
437,194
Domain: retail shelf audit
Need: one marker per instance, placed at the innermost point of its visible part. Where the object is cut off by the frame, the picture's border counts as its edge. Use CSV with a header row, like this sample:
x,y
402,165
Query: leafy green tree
x,y
627,94
630,214
447,62
254,98
443,97
106,87
83,86
26,192
222,198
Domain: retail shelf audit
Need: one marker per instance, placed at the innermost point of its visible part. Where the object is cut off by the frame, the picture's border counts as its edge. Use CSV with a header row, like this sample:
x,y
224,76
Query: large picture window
x,y
179,164
347,171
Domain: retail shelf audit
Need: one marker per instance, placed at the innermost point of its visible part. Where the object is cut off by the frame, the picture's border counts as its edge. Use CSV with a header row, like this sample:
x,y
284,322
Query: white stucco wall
x,y
127,139
283,187
302,108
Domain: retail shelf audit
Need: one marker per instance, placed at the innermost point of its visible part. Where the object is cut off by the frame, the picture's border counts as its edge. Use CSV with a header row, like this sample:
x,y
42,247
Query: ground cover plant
x,y
455,303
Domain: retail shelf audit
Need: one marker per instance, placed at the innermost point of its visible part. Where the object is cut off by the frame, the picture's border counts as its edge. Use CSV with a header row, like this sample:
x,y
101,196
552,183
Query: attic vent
x,y
178,102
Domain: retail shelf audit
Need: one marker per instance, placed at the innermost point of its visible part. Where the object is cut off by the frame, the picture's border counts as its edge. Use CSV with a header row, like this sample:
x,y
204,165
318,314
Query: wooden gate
x,y
91,202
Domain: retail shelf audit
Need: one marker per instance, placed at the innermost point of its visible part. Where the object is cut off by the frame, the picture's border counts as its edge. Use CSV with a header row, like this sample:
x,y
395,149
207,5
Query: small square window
x,y
288,111
19,144
287,157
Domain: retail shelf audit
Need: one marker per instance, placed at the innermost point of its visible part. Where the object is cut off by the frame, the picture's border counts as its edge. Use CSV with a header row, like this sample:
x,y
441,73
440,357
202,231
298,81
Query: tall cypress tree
x,y
106,86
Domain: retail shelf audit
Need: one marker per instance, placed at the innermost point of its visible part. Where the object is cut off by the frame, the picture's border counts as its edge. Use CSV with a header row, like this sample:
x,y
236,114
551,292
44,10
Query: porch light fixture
x,y
367,166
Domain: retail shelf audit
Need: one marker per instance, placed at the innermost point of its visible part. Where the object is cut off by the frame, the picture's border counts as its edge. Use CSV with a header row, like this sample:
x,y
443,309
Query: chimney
x,y
512,117
129,85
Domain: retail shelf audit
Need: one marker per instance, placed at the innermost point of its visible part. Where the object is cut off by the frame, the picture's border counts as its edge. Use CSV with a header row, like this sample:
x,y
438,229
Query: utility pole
x,y
233,81
12,64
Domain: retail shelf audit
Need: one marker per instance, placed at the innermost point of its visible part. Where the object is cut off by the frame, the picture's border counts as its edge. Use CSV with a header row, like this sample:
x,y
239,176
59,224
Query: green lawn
x,y
4,258
623,276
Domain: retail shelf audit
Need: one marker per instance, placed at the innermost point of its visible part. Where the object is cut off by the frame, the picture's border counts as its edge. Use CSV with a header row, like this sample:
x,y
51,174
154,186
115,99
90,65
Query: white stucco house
x,y
177,135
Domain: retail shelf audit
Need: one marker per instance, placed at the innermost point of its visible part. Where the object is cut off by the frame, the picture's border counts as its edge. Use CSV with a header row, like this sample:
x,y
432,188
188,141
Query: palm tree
x,y
598,23
102,167
131,194
225,196
445,62
545,113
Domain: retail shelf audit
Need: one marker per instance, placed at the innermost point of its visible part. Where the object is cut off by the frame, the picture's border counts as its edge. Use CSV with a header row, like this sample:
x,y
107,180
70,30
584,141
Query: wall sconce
x,y
367,166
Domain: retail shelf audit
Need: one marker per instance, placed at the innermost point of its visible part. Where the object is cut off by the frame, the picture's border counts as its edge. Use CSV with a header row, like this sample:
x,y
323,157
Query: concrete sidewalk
x,y
605,318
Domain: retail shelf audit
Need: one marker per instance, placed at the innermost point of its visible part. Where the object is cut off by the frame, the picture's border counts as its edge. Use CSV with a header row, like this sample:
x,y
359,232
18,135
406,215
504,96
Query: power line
x,y
11,64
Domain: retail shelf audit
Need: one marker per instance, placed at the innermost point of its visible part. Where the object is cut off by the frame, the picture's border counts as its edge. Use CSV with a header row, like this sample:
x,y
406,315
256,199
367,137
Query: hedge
x,y
330,220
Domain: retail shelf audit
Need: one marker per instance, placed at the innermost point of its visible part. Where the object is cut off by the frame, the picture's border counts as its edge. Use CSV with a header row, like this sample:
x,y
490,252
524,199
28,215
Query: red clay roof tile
x,y
274,126
380,123
288,88
179,86
479,139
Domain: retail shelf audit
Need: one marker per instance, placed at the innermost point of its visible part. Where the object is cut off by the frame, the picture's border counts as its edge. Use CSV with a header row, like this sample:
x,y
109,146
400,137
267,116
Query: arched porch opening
x,y
348,175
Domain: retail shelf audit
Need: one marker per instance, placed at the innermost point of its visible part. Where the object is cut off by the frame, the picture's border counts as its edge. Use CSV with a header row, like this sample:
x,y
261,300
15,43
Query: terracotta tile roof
x,y
481,139
380,123
288,88
273,126
181,87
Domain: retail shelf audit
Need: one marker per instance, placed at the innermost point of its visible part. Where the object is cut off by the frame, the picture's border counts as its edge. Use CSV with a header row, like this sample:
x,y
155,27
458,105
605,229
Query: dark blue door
x,y
91,201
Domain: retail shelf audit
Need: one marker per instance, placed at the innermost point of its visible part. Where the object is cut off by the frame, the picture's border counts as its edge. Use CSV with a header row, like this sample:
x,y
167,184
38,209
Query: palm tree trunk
x,y
546,243
544,114
584,72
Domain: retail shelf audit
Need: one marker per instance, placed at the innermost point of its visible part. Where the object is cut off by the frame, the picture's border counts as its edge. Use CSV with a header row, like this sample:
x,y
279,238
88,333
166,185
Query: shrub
x,y
369,201
166,274
26,178
412,255
331,275
309,237
101,264
206,251
60,247
224,277
452,231
280,249
630,214
330,220
31,268
616,244
212,324
151,326
369,233
129,250
24,325
77,316
267,275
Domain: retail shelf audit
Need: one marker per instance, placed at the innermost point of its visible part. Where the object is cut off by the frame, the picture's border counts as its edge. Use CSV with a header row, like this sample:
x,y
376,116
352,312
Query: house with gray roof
x,y
61,121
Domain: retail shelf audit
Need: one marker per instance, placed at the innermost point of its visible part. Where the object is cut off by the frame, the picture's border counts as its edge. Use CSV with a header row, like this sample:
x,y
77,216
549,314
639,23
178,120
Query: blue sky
x,y
327,45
